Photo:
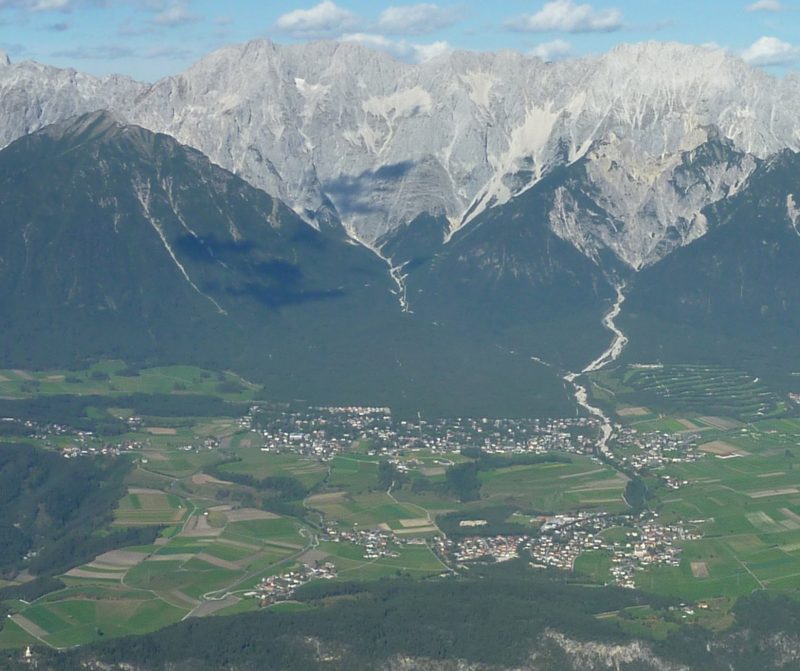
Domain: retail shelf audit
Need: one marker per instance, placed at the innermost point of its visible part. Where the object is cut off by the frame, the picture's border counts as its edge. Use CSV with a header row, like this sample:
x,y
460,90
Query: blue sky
x,y
148,39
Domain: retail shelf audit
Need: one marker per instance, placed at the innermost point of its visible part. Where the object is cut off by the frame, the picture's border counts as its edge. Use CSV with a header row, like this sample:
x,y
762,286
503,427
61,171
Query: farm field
x,y
412,560
148,507
750,531
115,378
146,588
212,549
218,498
742,496
708,390
584,484
262,464
363,510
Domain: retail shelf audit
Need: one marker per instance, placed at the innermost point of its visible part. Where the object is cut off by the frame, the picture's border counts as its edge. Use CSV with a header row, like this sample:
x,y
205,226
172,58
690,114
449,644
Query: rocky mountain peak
x,y
340,131
91,126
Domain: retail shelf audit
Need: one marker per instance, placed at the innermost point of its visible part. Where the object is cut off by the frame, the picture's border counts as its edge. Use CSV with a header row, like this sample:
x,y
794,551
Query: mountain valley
x,y
474,364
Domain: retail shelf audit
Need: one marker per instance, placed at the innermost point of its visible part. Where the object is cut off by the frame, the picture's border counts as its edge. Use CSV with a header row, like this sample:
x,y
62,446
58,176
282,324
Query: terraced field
x,y
710,389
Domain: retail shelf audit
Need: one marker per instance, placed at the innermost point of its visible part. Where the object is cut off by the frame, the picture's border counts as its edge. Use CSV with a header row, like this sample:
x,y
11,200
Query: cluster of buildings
x,y
316,432
72,443
563,538
324,432
671,482
649,544
642,542
472,548
201,444
54,435
639,542
282,587
641,452
377,543
92,449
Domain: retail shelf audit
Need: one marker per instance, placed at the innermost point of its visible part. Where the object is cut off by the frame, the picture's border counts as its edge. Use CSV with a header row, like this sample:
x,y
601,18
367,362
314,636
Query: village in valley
x,y
253,507
554,541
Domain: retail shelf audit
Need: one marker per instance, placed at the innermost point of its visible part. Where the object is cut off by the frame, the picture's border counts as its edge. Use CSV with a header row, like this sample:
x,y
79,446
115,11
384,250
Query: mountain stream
x,y
609,356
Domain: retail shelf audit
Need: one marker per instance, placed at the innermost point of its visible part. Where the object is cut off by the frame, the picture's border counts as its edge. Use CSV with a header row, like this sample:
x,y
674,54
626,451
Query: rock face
x,y
33,96
339,131
640,207
738,284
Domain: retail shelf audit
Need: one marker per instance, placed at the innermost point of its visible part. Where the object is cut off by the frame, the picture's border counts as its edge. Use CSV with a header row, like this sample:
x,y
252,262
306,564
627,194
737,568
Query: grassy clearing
x,y
14,636
595,565
353,474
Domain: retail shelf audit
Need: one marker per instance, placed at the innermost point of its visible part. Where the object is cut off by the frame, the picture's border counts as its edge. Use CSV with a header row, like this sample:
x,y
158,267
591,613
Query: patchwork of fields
x,y
219,538
214,554
743,495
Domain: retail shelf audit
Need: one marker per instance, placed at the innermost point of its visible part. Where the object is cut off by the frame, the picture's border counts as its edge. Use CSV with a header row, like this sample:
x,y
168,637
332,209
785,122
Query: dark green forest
x,y
54,512
497,616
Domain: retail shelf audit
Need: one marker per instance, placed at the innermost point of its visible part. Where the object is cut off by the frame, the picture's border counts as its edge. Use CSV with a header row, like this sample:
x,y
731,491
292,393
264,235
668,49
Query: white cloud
x,y
771,51
378,41
326,19
550,51
568,16
49,5
427,52
175,15
415,19
765,6
34,6
402,49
